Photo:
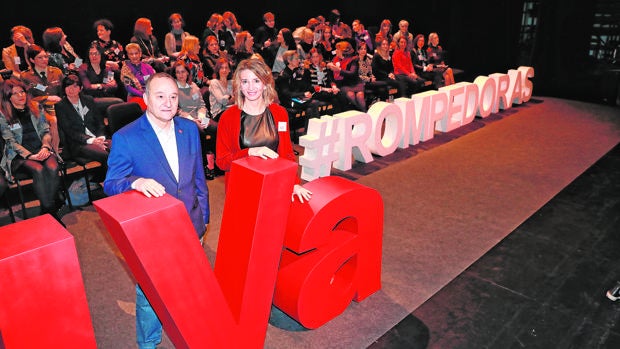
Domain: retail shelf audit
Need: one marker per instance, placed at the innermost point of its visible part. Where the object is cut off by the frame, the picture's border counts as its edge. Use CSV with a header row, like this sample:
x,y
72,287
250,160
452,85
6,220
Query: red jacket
x,y
227,147
402,62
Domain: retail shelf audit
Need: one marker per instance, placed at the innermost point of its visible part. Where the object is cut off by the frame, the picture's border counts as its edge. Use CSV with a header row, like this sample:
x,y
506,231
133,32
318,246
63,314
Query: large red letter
x,y
334,254
42,298
199,307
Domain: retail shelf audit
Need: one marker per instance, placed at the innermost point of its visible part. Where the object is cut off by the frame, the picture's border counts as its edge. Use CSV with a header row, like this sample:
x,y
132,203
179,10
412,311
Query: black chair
x,y
121,114
5,195
7,202
22,179
77,164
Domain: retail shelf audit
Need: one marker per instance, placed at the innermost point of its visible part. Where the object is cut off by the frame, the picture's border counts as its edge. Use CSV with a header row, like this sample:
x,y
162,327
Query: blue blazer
x,y
136,153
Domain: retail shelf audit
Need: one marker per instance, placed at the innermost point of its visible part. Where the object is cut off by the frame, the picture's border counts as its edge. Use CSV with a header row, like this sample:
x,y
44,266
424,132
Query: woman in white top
x,y
220,89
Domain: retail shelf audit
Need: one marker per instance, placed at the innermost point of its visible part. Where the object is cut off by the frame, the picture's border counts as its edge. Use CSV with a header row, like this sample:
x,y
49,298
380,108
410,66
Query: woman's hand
x,y
301,193
263,152
43,154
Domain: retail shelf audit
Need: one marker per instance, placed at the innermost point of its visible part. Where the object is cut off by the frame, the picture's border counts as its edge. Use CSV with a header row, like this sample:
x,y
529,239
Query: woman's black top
x,y
258,131
30,138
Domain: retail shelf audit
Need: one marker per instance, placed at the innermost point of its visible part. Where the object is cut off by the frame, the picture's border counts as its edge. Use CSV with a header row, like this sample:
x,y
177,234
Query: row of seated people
x,y
342,82
222,37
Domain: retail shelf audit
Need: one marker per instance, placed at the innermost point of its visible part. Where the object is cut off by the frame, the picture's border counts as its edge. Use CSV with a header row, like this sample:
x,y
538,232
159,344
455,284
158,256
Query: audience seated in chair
x,y
346,75
101,81
15,56
113,52
28,148
81,126
436,55
134,74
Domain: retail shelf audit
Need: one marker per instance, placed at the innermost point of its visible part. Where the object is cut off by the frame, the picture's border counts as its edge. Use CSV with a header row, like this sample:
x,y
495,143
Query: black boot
x,y
209,173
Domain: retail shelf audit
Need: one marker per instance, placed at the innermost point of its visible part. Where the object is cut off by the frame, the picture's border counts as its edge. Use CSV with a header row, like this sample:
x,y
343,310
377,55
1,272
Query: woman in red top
x,y
403,67
255,125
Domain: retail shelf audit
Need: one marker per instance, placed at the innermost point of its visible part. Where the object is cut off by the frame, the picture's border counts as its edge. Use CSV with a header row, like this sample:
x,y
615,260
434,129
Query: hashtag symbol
x,y
319,148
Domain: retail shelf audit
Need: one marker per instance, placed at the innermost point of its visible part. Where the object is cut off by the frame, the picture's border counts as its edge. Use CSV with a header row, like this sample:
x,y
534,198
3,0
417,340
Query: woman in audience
x,y
220,99
252,127
403,67
284,42
327,44
173,41
360,34
143,37
43,80
385,32
322,79
192,106
43,84
244,47
214,27
29,145
383,69
436,57
82,125
134,74
230,28
423,67
378,89
190,55
346,74
306,42
220,89
210,54
113,52
100,80
60,51
14,56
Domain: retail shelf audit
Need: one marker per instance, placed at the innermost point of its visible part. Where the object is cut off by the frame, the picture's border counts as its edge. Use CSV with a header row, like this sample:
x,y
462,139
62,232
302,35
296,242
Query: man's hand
x,y
149,187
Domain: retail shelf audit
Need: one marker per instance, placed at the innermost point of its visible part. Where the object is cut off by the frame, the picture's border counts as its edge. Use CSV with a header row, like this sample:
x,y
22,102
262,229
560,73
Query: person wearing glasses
x,y
29,145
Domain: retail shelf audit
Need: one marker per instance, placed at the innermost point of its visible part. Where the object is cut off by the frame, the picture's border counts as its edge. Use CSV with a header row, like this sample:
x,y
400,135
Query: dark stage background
x,y
482,37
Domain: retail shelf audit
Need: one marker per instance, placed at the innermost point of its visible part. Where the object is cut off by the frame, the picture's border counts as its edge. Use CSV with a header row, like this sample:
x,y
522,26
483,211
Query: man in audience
x,y
266,34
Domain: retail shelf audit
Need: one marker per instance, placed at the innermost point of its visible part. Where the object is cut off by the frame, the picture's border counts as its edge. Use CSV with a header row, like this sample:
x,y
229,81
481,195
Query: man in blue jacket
x,y
158,154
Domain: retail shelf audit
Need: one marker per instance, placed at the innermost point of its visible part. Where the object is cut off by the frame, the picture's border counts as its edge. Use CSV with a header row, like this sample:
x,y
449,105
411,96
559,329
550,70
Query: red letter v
x,y
200,307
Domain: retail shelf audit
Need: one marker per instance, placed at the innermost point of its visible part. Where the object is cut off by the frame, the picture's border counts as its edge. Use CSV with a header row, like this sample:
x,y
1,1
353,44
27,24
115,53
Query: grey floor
x,y
542,287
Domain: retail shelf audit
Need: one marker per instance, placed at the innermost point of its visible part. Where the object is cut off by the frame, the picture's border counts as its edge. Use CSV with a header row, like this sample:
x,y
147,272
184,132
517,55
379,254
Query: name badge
x,y
41,87
15,126
78,62
195,96
282,126
17,60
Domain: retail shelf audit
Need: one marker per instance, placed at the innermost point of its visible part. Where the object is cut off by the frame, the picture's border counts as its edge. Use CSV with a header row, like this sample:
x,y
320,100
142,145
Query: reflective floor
x,y
543,286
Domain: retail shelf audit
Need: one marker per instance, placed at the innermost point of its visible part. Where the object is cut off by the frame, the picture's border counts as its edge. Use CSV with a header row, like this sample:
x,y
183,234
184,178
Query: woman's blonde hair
x,y
262,72
241,38
191,44
133,46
